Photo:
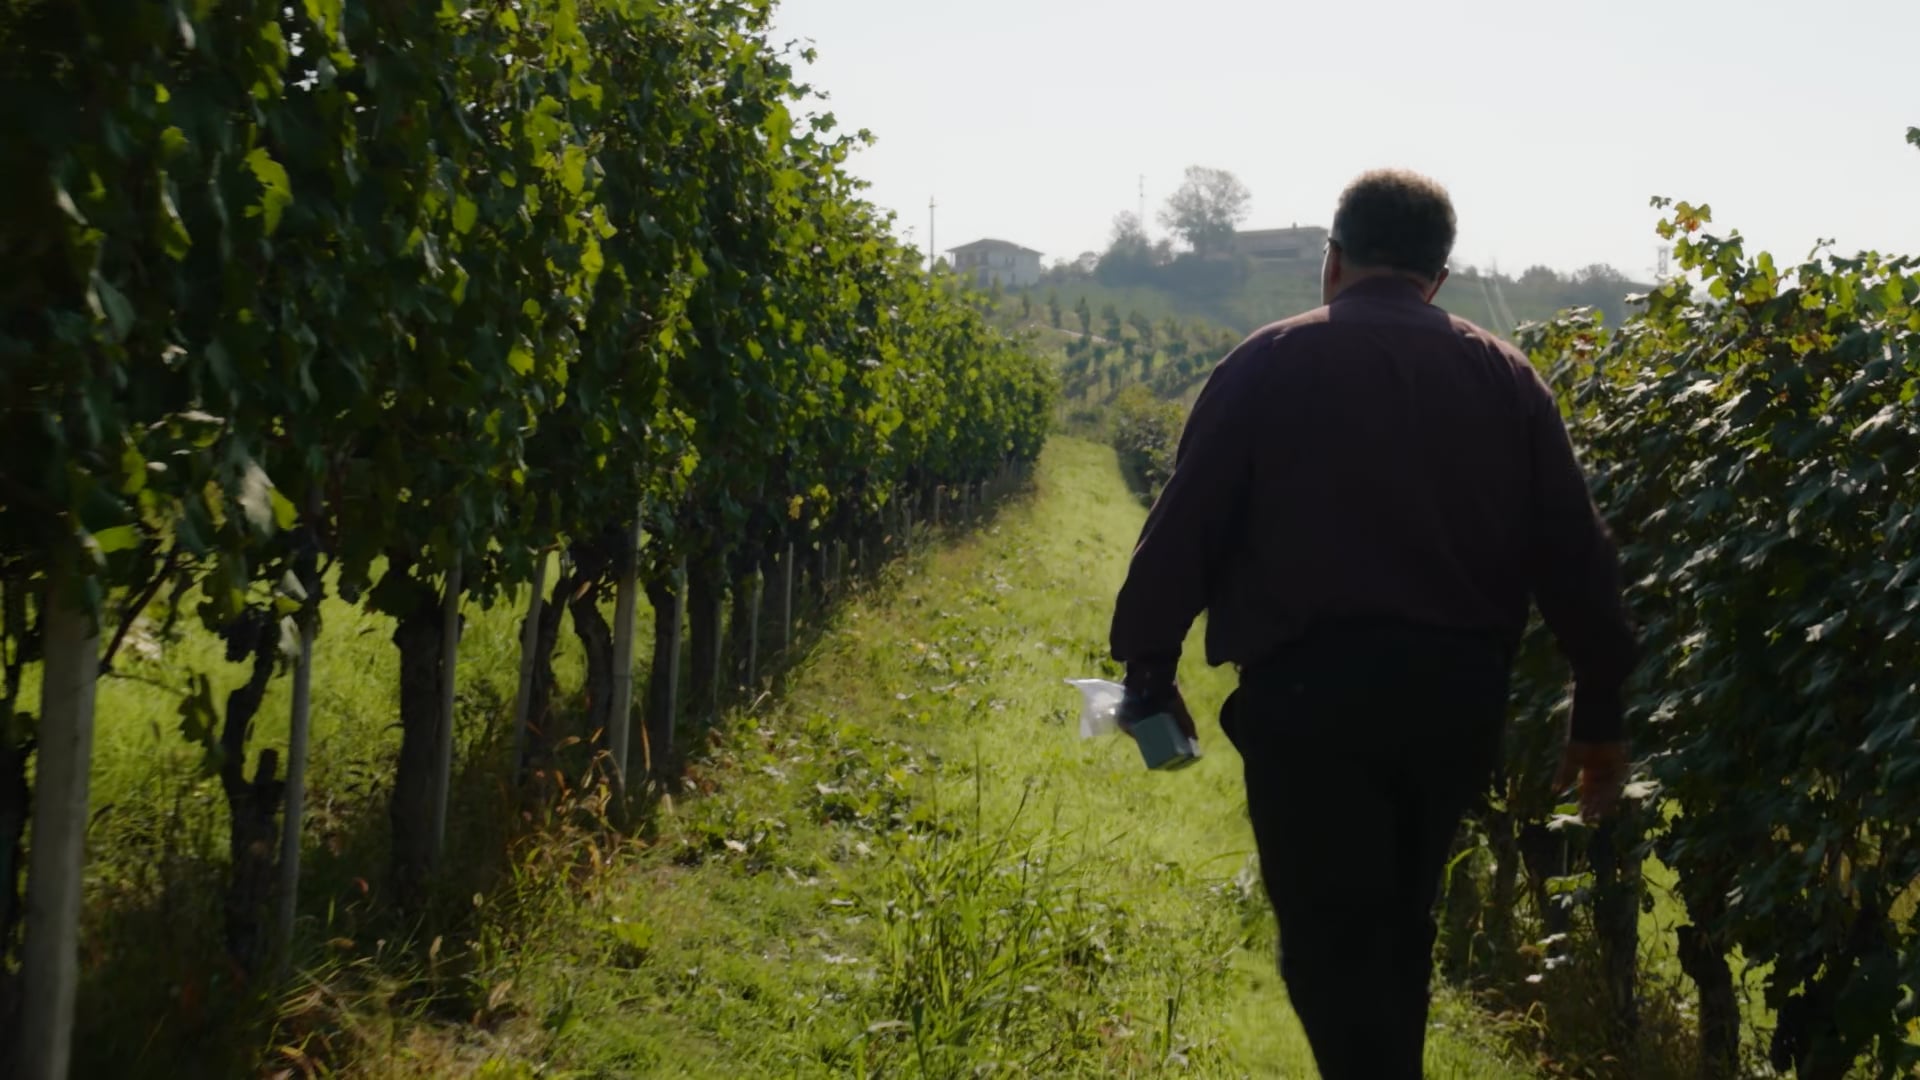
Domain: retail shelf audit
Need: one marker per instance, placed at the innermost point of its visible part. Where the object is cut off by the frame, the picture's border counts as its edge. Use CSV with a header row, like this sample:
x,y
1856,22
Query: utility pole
x,y
933,250
1143,202
1497,298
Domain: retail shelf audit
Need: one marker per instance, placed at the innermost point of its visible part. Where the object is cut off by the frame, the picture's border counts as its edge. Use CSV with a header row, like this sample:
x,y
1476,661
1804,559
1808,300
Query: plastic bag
x,y
1163,746
1100,706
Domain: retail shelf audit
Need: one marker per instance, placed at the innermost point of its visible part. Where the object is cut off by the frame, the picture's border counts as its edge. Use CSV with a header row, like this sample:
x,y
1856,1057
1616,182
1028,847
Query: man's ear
x,y
1437,282
1330,273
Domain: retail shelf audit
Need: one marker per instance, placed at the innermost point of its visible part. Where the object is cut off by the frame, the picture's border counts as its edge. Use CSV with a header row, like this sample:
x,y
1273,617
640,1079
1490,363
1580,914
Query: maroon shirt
x,y
1378,458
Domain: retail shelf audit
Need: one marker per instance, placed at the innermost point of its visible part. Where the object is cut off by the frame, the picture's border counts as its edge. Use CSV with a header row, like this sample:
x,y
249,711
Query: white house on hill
x,y
990,260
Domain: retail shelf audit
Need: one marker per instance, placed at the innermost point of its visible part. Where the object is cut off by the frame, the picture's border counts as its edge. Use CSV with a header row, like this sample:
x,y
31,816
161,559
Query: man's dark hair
x,y
1394,219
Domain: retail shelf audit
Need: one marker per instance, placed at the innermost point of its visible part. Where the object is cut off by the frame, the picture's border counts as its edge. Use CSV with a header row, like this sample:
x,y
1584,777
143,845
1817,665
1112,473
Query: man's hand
x,y
1151,690
1135,708
1601,769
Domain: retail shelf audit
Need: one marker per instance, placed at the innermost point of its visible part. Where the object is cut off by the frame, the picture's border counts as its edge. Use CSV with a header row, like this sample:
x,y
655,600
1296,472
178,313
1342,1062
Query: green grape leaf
x,y
465,213
276,190
117,538
111,305
133,470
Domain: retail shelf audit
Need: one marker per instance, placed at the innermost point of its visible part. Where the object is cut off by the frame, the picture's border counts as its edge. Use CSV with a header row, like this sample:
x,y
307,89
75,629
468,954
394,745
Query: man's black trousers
x,y
1364,746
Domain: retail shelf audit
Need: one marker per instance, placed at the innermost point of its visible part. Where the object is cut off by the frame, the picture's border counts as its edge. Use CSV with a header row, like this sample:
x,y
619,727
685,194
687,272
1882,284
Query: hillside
x,y
1243,301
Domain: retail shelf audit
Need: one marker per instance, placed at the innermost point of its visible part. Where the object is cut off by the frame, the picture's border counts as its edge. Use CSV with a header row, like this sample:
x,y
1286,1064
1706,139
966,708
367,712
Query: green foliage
x,y
313,287
1753,448
1131,257
1209,205
449,286
1142,327
1146,434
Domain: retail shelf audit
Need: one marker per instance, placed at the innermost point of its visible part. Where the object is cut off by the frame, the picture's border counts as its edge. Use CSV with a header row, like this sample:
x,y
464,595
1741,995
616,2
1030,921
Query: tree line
x,y
397,300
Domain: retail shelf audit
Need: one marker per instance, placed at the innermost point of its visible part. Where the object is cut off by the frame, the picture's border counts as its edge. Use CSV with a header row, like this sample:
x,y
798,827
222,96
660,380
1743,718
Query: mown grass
x,y
900,862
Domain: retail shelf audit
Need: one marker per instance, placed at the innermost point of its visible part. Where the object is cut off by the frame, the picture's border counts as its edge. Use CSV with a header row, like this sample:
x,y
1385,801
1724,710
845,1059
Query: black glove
x,y
1152,688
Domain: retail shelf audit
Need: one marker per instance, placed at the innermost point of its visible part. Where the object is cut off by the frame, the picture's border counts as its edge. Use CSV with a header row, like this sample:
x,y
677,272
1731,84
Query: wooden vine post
x,y
293,814
786,599
529,646
759,586
660,739
449,665
625,603
710,679
50,960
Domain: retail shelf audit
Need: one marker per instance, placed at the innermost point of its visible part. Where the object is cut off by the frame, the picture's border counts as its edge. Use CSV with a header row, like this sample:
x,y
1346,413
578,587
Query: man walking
x,y
1364,501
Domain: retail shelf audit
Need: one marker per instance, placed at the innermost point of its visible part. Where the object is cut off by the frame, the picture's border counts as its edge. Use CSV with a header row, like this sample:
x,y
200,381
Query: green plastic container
x,y
1163,745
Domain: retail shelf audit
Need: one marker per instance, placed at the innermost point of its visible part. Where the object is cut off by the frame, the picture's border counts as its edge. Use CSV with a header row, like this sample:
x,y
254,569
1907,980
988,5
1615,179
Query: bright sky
x,y
1550,121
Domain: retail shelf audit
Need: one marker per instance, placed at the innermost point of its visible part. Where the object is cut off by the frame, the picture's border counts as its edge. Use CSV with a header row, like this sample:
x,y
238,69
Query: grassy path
x,y
912,866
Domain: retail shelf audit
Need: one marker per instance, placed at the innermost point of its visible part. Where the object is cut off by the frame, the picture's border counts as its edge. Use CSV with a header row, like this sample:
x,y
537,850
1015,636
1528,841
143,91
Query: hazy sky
x,y
1551,122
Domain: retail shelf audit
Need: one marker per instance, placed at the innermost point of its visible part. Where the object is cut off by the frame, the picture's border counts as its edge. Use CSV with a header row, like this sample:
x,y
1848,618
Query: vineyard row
x,y
394,299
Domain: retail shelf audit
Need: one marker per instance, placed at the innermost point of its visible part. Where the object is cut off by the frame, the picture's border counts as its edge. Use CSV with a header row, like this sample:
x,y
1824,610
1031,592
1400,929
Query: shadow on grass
x,y
1561,1019
159,996
815,610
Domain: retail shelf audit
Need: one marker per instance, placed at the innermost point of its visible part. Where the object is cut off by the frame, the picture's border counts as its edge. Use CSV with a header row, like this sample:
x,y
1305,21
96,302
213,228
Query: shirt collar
x,y
1389,287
